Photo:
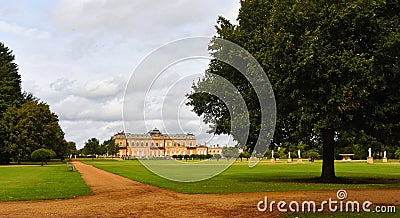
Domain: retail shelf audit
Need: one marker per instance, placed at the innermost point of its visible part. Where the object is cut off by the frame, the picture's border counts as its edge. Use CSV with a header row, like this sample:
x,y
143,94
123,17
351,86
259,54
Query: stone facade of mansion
x,y
155,144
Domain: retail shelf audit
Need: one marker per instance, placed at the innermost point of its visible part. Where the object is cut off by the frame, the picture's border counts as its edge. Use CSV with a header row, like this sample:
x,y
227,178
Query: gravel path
x,y
116,196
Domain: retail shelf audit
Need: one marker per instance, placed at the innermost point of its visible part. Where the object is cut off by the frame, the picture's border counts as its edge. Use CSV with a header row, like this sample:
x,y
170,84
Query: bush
x,y
43,155
313,154
397,153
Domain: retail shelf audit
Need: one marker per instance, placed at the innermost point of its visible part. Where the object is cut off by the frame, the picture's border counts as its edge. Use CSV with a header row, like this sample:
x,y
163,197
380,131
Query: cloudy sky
x,y
78,55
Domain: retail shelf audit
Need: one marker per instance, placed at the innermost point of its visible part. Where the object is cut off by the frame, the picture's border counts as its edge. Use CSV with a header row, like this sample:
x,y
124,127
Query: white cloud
x,y
22,31
92,90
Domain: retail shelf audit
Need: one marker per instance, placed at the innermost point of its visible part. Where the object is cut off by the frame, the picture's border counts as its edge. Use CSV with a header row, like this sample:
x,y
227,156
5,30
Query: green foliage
x,y
313,154
10,80
43,155
71,149
25,123
30,127
111,147
91,147
10,93
333,66
397,153
230,152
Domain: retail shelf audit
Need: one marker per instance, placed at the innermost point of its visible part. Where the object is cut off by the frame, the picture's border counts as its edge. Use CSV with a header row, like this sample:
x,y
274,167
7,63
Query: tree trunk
x,y
328,156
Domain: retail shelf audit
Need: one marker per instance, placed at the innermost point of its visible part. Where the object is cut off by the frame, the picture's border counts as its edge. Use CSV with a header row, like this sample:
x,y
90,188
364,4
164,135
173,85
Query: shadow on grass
x,y
319,180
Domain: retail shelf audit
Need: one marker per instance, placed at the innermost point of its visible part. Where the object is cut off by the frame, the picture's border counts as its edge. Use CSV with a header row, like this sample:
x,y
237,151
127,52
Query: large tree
x,y
333,65
30,127
10,80
92,147
111,147
10,91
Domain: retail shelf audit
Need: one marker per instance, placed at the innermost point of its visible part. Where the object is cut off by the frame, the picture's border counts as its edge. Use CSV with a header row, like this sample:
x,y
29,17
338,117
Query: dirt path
x,y
116,196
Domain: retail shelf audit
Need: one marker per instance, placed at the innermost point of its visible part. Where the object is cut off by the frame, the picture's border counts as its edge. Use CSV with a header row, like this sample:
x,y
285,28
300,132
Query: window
x,y
120,144
147,144
174,144
191,144
137,144
152,144
142,144
156,144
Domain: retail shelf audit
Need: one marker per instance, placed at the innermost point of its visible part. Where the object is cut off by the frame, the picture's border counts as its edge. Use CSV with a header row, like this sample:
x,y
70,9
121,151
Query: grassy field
x,y
22,182
267,177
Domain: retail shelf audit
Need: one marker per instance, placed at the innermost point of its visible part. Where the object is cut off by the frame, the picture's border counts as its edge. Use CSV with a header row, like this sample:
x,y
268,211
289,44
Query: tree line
x,y
93,147
26,123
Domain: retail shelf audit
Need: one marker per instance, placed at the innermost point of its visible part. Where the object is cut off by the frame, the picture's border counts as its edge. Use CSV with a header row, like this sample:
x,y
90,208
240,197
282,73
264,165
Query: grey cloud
x,y
92,90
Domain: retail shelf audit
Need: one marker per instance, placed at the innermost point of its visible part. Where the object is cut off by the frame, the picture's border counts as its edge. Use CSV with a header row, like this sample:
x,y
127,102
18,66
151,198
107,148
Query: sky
x,y
79,55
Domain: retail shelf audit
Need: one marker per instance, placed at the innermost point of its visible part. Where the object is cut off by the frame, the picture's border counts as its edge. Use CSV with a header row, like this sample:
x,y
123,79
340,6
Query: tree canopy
x,y
26,124
30,127
10,80
92,147
334,67
43,155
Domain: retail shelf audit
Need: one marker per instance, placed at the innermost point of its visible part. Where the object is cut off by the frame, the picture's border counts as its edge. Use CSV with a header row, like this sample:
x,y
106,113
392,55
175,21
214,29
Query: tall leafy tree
x,y
71,148
30,127
10,80
111,147
91,147
334,67
10,91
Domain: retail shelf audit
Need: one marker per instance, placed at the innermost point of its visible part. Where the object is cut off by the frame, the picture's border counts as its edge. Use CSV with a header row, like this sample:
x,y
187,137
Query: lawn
x,y
267,177
21,182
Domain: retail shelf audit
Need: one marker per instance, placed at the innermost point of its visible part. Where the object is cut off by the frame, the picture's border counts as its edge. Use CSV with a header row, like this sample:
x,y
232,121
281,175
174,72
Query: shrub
x,y
43,155
397,153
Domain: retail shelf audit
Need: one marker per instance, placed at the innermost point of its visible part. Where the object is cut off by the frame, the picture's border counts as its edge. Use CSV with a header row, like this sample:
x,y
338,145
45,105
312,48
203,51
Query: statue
x,y
384,154
272,154
369,152
289,154
298,153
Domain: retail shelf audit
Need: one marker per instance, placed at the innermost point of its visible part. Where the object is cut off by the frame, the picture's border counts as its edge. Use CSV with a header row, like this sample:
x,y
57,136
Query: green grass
x,y
39,183
267,177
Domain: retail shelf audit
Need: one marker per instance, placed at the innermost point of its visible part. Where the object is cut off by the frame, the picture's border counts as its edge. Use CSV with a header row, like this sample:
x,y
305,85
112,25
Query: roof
x,y
155,133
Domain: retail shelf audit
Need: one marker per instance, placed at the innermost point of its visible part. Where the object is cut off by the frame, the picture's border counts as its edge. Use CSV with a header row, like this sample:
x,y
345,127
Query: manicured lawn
x,y
267,177
36,182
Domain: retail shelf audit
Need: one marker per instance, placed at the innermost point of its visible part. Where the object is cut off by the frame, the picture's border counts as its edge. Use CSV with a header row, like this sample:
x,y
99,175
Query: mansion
x,y
155,144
